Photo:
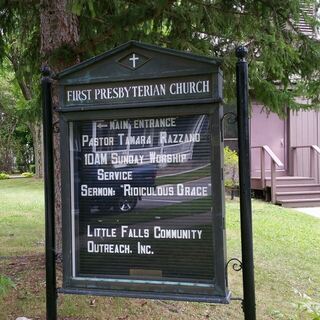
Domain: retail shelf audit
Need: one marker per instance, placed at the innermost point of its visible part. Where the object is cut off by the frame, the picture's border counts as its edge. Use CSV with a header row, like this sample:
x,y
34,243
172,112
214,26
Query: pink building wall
x,y
305,130
267,129
300,128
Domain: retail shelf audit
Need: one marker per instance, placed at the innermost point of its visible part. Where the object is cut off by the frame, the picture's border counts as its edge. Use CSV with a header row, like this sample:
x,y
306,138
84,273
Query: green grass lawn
x,y
287,260
21,217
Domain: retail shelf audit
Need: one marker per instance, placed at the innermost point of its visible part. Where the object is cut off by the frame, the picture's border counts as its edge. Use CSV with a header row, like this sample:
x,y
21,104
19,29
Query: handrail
x,y
313,150
313,146
273,156
275,161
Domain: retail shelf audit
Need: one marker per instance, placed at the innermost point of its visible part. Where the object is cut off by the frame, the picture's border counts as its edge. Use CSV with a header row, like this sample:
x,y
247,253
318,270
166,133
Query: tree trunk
x,y
59,29
6,160
36,131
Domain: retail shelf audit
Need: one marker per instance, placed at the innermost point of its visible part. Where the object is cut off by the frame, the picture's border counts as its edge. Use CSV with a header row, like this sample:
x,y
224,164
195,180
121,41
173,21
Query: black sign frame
x,y
217,294
183,65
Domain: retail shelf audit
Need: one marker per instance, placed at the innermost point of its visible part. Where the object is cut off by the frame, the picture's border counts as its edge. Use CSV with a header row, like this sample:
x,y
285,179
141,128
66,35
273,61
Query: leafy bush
x,y
231,172
27,174
4,176
5,284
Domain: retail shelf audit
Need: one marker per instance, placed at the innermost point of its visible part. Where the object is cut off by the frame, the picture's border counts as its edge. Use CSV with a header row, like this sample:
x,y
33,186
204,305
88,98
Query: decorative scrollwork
x,y
236,265
231,117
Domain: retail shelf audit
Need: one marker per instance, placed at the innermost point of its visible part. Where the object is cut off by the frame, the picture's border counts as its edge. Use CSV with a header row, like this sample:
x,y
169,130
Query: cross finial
x,y
134,58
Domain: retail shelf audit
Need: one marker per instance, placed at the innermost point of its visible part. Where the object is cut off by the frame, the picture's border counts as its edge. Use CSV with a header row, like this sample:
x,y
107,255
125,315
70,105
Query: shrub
x,y
27,174
4,176
231,172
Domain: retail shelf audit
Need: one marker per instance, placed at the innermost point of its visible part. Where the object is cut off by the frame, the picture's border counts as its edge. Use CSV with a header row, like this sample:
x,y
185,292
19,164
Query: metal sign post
x,y
51,293
245,188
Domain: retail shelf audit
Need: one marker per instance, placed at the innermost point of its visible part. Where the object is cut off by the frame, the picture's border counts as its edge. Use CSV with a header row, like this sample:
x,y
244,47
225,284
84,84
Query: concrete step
x,y
300,203
297,195
298,187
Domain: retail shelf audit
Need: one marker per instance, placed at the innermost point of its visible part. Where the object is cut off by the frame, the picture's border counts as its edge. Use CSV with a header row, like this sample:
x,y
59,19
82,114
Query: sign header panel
x,y
142,74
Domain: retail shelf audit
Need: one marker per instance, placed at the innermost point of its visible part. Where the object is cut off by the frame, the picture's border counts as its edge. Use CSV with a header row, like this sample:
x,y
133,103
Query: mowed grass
x,y
21,217
287,259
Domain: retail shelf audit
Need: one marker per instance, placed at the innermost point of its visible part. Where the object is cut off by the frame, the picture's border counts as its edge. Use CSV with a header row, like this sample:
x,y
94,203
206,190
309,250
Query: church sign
x,y
142,181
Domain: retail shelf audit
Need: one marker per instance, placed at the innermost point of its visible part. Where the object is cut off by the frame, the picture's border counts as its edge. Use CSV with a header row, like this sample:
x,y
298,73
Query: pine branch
x,y
92,43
